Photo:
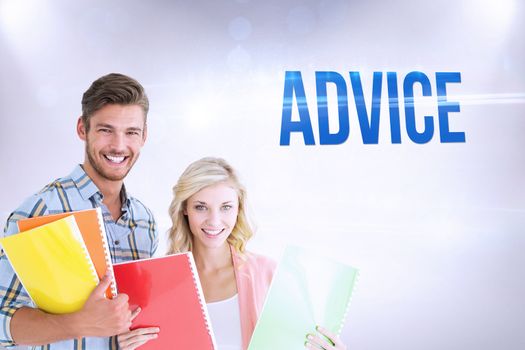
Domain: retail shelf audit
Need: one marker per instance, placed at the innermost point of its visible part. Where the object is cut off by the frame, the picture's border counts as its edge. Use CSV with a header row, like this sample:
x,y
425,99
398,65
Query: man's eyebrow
x,y
104,125
109,126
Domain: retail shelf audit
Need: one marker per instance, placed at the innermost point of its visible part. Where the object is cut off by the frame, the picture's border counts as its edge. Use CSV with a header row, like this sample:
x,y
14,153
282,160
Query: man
x,y
113,127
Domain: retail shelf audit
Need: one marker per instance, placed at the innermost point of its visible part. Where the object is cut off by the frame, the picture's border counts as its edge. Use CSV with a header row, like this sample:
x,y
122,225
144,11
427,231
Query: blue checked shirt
x,y
133,236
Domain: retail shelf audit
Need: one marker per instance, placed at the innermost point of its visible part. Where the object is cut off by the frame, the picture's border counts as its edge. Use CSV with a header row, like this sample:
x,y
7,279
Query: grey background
x,y
437,230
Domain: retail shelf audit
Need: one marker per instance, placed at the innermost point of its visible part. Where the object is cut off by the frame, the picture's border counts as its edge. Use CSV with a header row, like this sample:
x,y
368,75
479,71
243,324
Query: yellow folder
x,y
91,225
53,264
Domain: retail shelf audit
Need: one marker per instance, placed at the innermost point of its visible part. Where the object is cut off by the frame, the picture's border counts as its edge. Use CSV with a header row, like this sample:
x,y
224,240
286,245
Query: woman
x,y
209,218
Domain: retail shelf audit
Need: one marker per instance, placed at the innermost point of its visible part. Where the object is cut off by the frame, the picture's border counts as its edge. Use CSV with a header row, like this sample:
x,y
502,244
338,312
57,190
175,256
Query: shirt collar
x,y
124,199
84,184
88,189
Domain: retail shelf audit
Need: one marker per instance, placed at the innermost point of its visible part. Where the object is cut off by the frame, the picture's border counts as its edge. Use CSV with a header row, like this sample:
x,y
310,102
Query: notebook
x,y
307,290
169,293
91,225
52,263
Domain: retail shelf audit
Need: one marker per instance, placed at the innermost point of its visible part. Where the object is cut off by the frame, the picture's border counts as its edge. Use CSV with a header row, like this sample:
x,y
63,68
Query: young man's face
x,y
116,135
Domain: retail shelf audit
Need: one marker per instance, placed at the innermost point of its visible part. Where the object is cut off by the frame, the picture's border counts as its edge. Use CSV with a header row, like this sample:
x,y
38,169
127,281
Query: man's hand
x,y
133,339
101,317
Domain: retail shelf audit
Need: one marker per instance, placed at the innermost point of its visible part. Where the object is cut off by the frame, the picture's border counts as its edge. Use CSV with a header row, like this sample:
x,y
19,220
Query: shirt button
x,y
117,242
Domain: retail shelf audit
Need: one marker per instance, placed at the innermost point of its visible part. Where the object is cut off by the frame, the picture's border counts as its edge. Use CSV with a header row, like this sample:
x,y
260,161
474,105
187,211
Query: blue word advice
x,y
368,118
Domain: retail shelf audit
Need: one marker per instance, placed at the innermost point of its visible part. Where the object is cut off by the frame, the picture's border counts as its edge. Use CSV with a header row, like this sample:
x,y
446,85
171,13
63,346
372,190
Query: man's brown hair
x,y
113,88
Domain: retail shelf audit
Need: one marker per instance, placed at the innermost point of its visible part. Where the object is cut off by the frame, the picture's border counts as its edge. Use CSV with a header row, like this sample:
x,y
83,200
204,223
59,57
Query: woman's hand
x,y
327,340
137,337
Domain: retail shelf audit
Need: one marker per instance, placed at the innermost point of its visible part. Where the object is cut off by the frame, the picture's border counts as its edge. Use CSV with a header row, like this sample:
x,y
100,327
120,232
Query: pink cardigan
x,y
253,275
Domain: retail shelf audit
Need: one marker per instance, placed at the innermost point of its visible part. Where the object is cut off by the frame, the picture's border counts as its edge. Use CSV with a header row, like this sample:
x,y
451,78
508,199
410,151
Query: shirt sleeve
x,y
154,235
12,293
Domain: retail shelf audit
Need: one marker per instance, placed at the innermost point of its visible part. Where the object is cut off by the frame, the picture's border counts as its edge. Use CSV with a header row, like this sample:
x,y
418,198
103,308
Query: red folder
x,y
169,293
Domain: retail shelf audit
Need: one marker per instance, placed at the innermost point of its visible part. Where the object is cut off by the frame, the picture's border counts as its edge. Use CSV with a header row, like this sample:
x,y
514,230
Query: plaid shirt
x,y
133,236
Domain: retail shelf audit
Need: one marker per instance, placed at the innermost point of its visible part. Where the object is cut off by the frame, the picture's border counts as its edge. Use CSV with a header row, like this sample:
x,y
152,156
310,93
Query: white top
x,y
226,323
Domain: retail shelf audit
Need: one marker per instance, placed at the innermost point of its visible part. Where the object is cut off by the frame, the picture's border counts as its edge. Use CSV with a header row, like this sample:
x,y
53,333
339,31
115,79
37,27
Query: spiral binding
x,y
355,283
107,255
78,236
202,302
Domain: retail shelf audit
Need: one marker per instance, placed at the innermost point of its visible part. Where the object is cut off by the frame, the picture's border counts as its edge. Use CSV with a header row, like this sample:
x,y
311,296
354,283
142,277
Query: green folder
x,y
307,290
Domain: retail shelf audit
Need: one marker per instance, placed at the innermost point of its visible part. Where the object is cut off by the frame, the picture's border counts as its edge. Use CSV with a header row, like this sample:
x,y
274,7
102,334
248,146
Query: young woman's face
x,y
212,214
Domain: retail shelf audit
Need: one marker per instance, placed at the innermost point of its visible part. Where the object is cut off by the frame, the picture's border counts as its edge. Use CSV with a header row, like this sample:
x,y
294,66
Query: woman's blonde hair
x,y
198,175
